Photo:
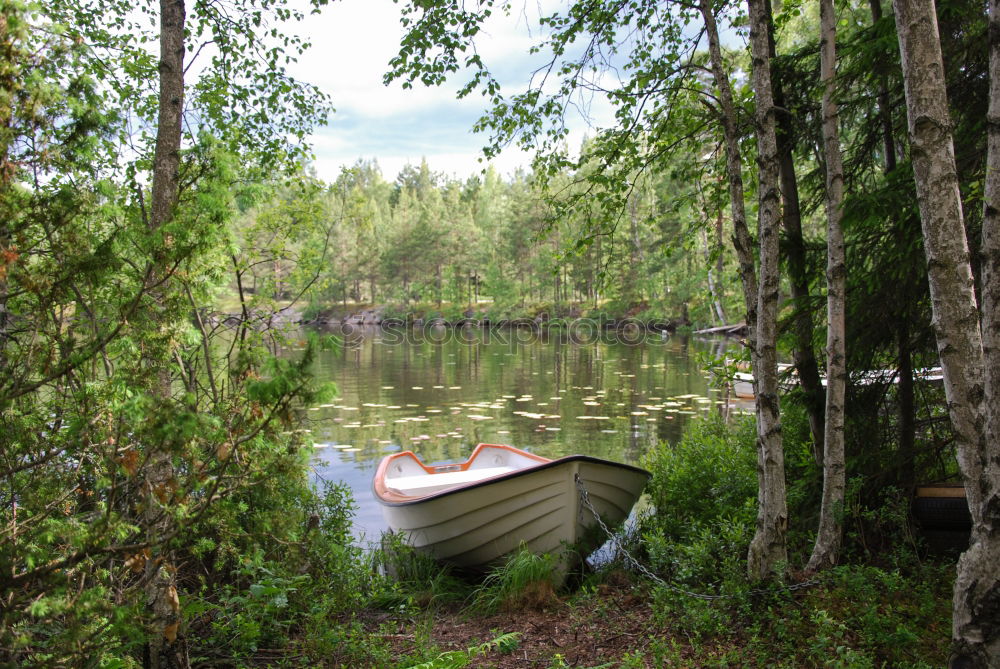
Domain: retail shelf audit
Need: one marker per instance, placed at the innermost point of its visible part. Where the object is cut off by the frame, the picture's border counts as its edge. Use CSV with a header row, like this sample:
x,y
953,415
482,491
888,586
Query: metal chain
x,y
616,540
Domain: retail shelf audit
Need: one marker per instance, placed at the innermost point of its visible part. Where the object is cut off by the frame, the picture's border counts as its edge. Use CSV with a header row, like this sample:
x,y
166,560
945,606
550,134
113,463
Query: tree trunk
x,y
635,250
962,347
830,532
720,271
976,621
438,284
906,413
884,110
742,241
904,389
161,579
718,317
803,354
768,547
715,268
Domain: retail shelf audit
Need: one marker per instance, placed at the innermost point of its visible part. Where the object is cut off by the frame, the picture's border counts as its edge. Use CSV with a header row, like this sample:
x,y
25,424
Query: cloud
x,y
352,43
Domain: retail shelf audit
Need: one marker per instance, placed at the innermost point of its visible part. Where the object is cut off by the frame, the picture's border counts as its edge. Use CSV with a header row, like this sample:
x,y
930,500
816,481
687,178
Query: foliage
x,y
524,580
859,615
707,476
428,246
97,307
417,579
703,491
282,564
455,659
92,300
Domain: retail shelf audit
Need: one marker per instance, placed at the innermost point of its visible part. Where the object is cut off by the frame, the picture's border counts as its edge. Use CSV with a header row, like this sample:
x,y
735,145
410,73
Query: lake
x,y
439,392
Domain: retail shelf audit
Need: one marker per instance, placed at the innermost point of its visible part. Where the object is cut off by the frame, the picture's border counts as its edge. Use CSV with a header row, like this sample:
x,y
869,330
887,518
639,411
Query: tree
x,y
161,574
798,275
828,536
126,423
657,58
966,336
768,548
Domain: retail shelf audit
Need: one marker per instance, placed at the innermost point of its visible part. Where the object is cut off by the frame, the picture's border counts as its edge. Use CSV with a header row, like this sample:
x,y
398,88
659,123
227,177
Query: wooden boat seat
x,y
424,484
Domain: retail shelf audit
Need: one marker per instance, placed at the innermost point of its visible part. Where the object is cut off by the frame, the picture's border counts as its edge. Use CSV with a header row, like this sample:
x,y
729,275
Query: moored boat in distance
x,y
743,383
472,514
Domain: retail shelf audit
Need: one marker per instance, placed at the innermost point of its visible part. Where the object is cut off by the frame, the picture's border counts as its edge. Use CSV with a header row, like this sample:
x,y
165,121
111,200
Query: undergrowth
x,y
524,580
456,659
888,607
312,598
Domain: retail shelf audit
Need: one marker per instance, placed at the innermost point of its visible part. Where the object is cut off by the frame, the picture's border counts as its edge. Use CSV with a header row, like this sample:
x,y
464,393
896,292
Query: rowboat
x,y
743,382
472,514
743,385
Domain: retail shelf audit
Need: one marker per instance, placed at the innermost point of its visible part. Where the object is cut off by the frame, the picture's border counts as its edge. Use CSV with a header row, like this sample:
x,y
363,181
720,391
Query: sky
x,y
353,41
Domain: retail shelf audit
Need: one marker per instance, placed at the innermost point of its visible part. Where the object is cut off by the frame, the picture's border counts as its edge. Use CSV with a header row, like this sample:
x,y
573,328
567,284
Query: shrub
x,y
707,478
278,563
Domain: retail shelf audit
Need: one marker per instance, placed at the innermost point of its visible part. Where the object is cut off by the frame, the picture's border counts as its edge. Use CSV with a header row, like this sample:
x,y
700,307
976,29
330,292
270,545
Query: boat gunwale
x,y
388,498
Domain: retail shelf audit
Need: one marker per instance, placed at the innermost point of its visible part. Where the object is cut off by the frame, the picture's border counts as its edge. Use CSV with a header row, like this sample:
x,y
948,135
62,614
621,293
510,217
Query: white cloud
x,y
352,43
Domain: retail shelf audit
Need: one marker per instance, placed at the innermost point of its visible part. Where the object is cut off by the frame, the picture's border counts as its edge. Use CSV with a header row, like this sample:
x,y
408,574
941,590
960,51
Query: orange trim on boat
x,y
389,495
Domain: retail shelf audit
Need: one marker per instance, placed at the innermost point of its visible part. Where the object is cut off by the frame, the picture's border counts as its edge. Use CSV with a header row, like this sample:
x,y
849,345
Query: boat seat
x,y
424,484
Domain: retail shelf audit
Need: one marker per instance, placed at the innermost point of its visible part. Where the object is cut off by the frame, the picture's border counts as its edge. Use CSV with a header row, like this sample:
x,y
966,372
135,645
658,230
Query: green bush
x,y
704,491
278,564
708,478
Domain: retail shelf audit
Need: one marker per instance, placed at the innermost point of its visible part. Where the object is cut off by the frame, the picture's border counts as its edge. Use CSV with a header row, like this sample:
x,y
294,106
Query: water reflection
x,y
439,395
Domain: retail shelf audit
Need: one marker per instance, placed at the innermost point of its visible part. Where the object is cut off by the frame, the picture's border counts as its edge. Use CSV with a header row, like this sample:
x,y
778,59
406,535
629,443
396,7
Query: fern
x,y
456,659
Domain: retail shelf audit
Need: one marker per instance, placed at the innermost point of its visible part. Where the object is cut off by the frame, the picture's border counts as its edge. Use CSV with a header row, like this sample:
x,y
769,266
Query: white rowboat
x,y
472,514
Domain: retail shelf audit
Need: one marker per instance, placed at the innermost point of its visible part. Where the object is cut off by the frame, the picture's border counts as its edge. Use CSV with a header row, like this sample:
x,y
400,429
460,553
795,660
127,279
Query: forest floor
x,y
599,628
619,623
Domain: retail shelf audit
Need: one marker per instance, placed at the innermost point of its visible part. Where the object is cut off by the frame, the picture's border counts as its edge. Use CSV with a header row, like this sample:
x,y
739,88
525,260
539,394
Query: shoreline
x,y
375,318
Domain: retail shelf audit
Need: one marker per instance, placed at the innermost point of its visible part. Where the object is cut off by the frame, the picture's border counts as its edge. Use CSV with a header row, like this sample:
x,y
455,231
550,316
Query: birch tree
x,y
829,534
768,547
802,326
966,337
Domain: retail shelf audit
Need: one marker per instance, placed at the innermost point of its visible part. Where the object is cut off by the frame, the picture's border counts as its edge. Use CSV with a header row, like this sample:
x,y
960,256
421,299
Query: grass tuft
x,y
524,581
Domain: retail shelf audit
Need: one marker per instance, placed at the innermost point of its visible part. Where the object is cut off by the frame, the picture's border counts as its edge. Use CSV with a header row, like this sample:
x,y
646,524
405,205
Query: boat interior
x,y
407,475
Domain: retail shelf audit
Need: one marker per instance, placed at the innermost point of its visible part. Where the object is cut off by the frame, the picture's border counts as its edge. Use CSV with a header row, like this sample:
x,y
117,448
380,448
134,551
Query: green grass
x,y
524,580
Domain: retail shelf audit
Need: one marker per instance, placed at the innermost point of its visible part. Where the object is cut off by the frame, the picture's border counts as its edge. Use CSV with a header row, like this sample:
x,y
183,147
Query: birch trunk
x,y
742,241
803,354
768,548
715,271
830,532
971,385
161,582
976,617
720,271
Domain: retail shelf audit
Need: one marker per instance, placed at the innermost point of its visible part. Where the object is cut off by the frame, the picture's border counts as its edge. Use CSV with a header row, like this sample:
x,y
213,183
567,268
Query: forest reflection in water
x,y
439,392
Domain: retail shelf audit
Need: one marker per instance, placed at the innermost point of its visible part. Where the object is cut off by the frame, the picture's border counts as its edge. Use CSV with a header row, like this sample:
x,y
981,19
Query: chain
x,y
616,541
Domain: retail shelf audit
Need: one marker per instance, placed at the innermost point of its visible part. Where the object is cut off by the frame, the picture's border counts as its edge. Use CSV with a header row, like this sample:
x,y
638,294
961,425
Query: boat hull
x,y
475,526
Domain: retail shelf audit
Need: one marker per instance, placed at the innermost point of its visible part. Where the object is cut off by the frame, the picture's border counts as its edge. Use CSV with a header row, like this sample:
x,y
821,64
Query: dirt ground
x,y
590,631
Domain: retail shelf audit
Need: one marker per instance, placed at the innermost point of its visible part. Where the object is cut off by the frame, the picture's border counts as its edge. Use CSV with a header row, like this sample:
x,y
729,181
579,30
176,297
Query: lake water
x,y
439,392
